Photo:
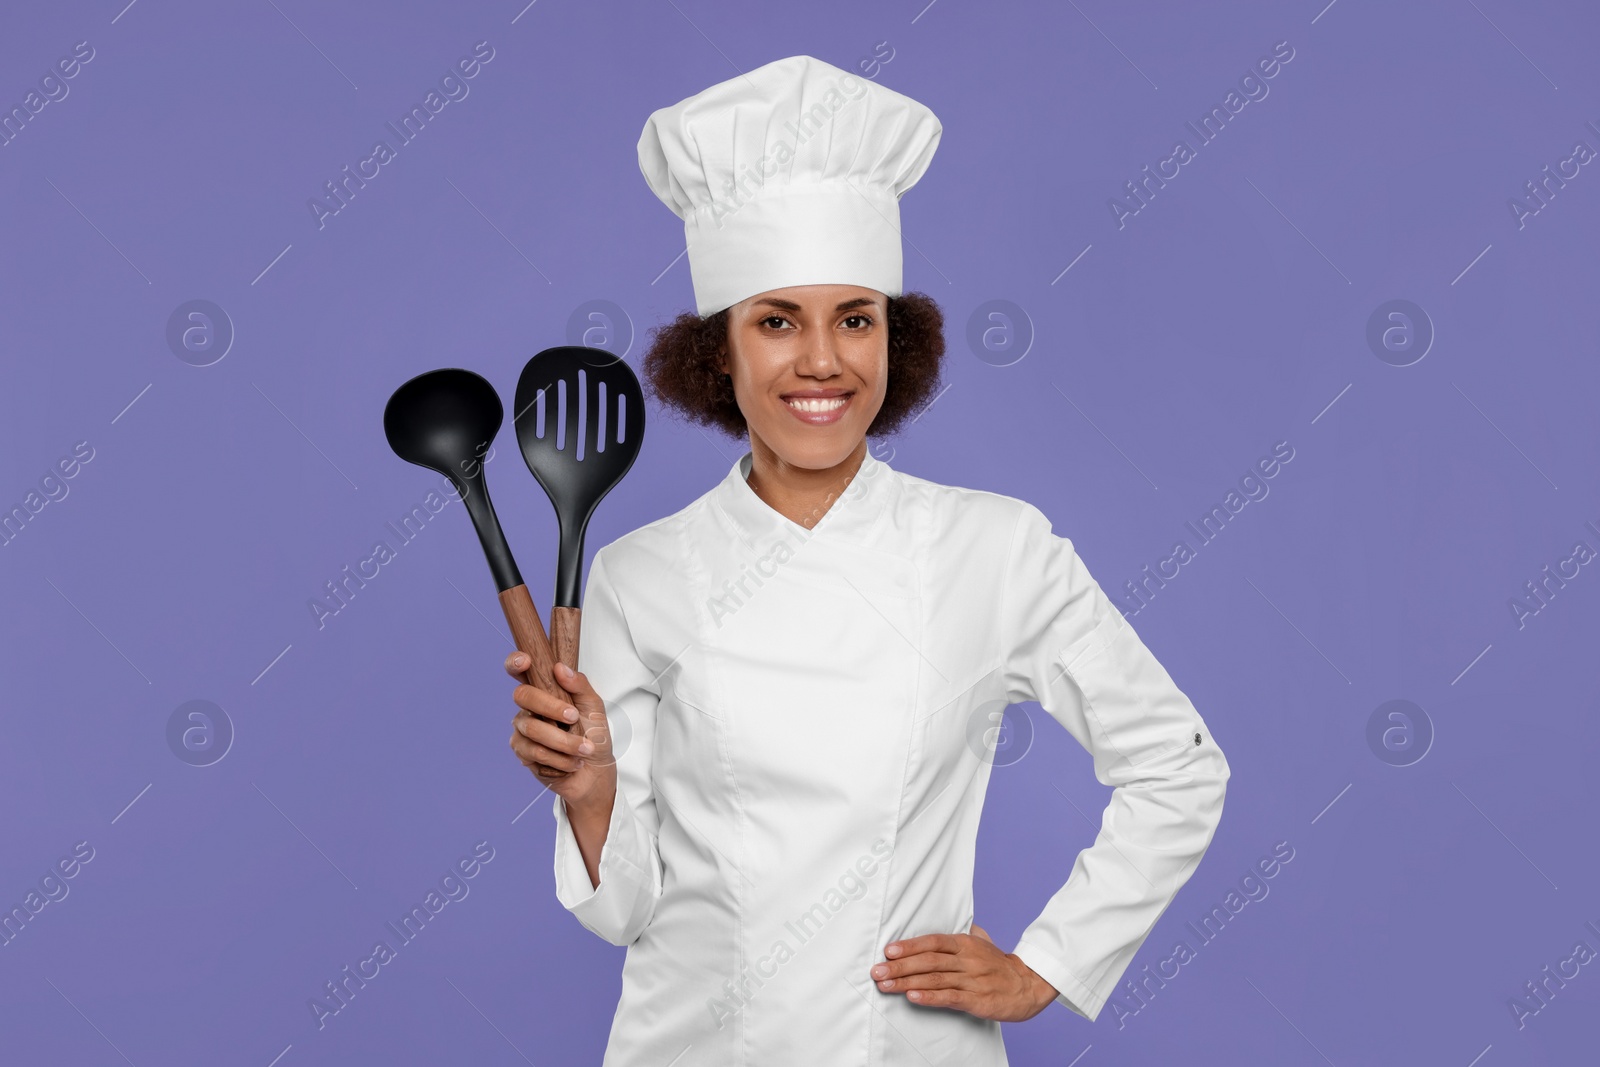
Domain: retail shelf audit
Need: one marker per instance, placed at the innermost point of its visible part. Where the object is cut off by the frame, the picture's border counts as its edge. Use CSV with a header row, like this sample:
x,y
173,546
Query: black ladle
x,y
565,381
445,420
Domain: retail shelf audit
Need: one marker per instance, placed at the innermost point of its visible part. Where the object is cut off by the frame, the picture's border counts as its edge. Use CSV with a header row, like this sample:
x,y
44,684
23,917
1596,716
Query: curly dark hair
x,y
680,366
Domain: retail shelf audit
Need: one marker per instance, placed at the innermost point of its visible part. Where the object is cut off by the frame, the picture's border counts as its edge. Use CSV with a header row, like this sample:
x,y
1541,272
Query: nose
x,y
818,358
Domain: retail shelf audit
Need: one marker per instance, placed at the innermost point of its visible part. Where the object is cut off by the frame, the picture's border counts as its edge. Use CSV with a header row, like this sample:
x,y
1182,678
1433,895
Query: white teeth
x,y
817,404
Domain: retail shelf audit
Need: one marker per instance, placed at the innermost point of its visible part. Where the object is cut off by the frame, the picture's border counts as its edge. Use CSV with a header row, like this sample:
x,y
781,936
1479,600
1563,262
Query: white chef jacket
x,y
804,722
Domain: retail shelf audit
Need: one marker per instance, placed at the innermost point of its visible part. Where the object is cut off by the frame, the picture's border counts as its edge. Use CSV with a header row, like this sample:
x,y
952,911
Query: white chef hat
x,y
789,175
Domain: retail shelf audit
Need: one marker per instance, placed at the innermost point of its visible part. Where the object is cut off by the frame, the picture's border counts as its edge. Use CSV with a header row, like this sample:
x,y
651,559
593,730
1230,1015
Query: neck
x,y
801,494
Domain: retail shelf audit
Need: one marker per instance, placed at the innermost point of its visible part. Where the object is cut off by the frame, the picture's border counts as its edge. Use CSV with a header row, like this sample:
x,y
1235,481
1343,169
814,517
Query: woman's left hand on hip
x,y
967,972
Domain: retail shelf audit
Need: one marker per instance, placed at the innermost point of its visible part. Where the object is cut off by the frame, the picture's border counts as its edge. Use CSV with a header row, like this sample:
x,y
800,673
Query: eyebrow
x,y
790,305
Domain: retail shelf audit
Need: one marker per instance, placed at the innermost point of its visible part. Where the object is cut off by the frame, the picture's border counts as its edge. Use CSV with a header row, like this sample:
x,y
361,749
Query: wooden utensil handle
x,y
528,632
564,623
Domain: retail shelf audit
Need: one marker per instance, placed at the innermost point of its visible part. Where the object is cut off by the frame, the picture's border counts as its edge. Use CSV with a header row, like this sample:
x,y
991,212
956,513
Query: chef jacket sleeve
x,y
1066,646
621,906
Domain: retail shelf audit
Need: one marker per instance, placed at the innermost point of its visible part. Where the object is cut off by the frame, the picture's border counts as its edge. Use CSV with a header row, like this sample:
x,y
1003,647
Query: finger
x,y
549,735
921,963
928,980
545,773
537,702
548,775
592,721
981,932
577,683
553,737
954,999
926,943
517,663
531,752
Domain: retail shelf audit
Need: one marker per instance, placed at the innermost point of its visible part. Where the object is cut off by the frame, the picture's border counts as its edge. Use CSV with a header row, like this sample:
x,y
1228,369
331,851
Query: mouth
x,y
819,410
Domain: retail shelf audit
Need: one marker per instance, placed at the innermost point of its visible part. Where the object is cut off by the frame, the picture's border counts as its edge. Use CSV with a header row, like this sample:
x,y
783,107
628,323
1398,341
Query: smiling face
x,y
810,369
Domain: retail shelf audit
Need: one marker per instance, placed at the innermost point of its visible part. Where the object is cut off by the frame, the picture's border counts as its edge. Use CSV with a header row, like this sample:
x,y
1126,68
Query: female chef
x,y
787,689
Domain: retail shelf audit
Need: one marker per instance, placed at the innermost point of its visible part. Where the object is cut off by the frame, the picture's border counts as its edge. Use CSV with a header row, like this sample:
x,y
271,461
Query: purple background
x,y
1228,315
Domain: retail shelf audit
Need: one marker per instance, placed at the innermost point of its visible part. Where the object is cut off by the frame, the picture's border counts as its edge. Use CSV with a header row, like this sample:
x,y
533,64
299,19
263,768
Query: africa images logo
x,y
739,191
454,89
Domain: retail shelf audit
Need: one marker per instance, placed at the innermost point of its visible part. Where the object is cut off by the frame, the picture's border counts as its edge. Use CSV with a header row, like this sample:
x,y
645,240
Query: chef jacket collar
x,y
850,516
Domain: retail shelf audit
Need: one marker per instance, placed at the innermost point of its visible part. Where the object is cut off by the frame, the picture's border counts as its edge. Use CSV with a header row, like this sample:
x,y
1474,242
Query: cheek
x,y
876,371
760,371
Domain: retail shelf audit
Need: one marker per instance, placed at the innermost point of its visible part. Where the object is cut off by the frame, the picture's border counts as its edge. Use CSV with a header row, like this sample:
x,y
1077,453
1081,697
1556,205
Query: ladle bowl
x,y
445,420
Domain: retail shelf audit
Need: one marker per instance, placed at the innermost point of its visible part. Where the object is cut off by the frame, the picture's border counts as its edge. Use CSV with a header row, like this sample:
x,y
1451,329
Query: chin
x,y
817,451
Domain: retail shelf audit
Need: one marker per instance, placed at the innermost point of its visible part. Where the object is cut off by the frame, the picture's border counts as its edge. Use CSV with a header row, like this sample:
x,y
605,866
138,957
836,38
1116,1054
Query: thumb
x,y
593,722
584,697
978,931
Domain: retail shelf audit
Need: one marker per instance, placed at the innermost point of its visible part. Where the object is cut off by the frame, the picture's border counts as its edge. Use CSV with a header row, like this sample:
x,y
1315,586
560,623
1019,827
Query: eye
x,y
774,318
867,319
